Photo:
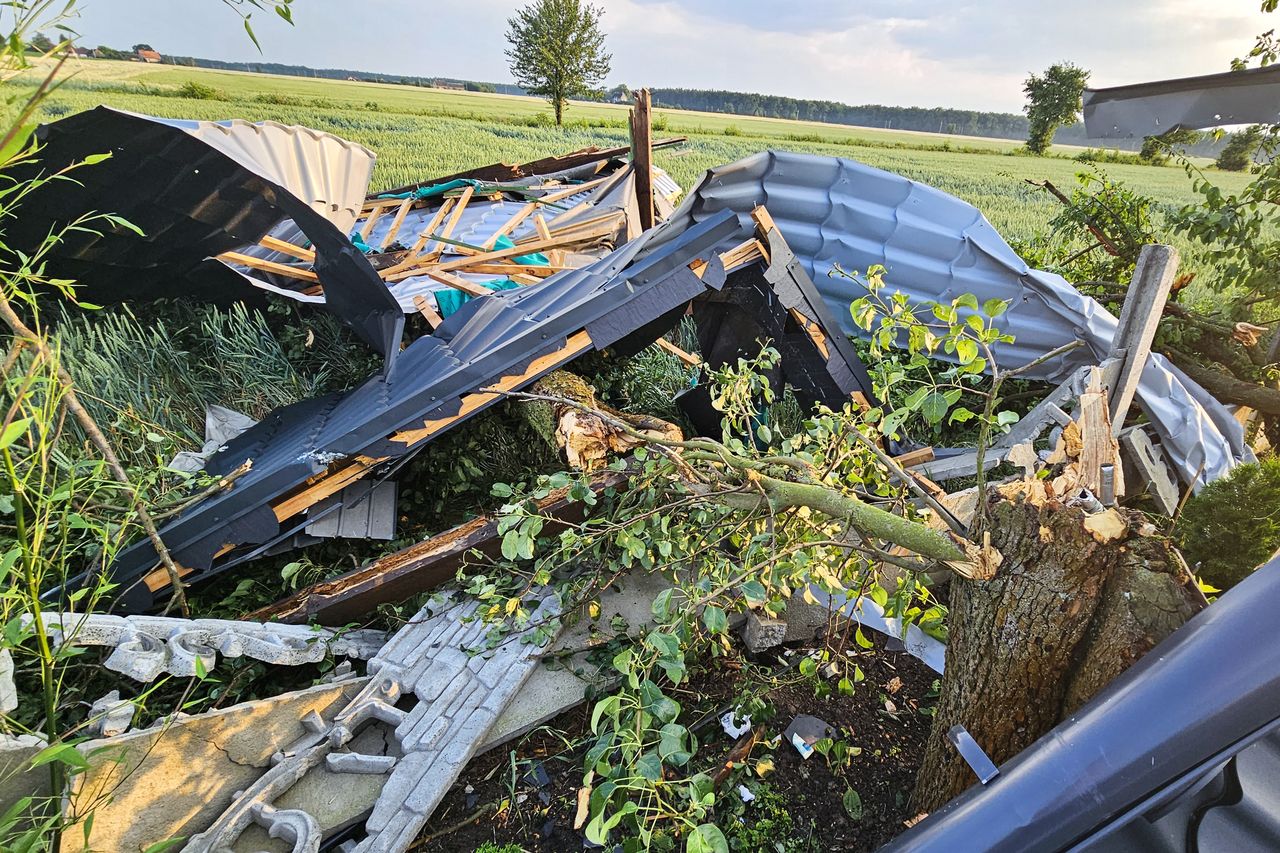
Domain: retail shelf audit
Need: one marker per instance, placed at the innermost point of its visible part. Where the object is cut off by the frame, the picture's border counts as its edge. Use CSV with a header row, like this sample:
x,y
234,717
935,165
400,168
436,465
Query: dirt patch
x,y
528,790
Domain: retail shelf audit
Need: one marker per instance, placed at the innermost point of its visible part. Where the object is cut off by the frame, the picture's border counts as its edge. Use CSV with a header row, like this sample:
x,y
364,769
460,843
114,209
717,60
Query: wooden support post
x,y
286,248
397,222
1146,461
268,266
1143,307
1099,449
642,155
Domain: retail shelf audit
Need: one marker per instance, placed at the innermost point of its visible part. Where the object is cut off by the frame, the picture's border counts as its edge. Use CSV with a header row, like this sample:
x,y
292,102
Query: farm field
x,y
418,133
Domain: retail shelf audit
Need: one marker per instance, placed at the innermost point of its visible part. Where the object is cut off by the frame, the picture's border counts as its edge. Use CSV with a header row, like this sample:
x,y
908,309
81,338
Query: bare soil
x,y
526,792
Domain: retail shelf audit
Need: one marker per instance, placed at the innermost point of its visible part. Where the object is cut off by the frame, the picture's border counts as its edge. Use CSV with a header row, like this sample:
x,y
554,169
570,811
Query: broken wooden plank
x,y
456,283
286,248
687,357
1099,448
397,222
642,155
915,457
540,224
396,577
426,310
370,221
510,225
268,266
1143,307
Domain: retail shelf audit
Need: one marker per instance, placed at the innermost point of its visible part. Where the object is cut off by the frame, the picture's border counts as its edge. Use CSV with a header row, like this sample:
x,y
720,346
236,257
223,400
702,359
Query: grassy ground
x,y
421,132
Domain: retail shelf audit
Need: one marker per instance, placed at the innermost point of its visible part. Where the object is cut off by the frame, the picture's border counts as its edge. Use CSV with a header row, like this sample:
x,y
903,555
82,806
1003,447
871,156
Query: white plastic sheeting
x,y
936,247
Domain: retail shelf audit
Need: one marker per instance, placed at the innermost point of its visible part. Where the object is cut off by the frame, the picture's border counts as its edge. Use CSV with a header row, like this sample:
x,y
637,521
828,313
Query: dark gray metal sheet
x,y
1214,100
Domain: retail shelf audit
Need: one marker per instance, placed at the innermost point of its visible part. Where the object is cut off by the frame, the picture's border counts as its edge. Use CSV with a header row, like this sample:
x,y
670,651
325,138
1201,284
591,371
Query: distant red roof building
x,y
150,56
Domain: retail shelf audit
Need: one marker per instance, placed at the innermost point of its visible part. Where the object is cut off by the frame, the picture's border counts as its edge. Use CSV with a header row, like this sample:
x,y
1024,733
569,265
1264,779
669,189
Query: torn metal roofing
x,y
1250,96
936,247
327,172
311,450
196,190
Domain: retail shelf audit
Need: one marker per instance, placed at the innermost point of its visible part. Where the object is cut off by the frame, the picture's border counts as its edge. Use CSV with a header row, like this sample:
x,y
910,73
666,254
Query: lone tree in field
x,y
1053,100
557,50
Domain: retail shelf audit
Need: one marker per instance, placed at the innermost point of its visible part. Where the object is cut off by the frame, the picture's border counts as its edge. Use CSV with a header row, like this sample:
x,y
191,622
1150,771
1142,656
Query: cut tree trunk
x,y
1076,600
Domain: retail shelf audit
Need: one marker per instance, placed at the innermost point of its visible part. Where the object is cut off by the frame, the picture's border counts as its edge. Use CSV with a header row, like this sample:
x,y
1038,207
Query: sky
x,y
927,53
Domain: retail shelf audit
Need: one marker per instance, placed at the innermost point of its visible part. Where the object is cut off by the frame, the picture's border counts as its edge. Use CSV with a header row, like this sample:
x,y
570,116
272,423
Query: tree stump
x,y
1076,600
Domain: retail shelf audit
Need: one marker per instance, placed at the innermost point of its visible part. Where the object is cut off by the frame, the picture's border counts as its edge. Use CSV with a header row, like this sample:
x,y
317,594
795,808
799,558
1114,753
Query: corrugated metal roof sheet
x,y
327,172
937,247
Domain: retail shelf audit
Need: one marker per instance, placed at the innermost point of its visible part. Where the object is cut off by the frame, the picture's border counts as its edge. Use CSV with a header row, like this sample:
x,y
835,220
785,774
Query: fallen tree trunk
x,y
1076,600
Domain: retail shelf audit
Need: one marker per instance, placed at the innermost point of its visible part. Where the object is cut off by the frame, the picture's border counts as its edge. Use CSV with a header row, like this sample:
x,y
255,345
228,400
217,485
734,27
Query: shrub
x,y
733,130
201,92
1233,525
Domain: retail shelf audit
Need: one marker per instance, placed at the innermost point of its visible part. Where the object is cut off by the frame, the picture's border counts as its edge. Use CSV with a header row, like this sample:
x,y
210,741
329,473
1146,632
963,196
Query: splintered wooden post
x,y
642,156
1099,449
1143,307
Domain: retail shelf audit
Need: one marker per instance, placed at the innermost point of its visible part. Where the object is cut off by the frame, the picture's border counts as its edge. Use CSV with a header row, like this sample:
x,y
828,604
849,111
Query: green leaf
x,y
995,307
672,745
661,607
968,300
95,159
15,430
934,408
966,350
649,766
852,804
663,643
714,619
6,562
63,753
500,490
808,667
862,640
707,838
161,846
511,544
754,592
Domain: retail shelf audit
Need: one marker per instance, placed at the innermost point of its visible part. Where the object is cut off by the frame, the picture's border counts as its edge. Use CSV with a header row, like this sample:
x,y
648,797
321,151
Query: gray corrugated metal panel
x,y
357,512
937,247
327,172
1213,100
498,335
1208,692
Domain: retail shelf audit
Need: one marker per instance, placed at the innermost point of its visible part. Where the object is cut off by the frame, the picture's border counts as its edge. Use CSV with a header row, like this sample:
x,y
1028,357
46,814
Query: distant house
x,y
150,56
448,84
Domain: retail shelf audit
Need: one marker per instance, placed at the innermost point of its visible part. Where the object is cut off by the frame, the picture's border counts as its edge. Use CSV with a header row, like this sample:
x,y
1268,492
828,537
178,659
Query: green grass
x,y
418,133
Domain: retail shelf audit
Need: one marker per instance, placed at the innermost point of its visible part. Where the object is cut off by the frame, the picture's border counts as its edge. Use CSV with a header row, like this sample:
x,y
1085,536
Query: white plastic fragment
x,y
733,726
745,793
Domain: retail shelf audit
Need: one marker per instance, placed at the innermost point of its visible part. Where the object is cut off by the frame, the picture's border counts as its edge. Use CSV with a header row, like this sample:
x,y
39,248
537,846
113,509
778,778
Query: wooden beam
x,y
1099,448
417,266
511,224
571,190
424,308
458,208
540,224
687,357
268,266
397,222
577,344
370,221
455,282
1143,307
415,252
286,248
323,485
915,457
642,156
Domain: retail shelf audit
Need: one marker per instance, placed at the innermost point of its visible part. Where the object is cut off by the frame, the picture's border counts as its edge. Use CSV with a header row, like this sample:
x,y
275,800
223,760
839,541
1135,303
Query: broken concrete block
x,y
8,691
164,782
111,715
804,619
762,633
17,778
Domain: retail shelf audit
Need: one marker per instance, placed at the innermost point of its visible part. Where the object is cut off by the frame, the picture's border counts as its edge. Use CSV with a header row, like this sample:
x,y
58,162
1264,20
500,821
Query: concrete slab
x,y
155,784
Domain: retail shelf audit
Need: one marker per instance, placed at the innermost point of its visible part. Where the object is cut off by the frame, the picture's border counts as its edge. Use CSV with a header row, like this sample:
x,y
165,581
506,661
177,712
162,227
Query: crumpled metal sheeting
x,y
1251,96
936,247
487,338
147,646
327,172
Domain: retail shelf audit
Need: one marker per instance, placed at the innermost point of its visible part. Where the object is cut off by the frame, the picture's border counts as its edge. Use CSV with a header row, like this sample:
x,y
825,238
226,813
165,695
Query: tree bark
x,y
1063,615
1228,388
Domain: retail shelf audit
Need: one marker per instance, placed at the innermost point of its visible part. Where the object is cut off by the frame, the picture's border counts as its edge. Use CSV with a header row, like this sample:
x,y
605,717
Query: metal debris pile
x,y
518,271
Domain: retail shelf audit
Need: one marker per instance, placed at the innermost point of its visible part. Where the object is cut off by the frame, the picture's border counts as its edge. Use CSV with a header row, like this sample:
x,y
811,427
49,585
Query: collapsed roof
x,y
336,449
937,247
1250,96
